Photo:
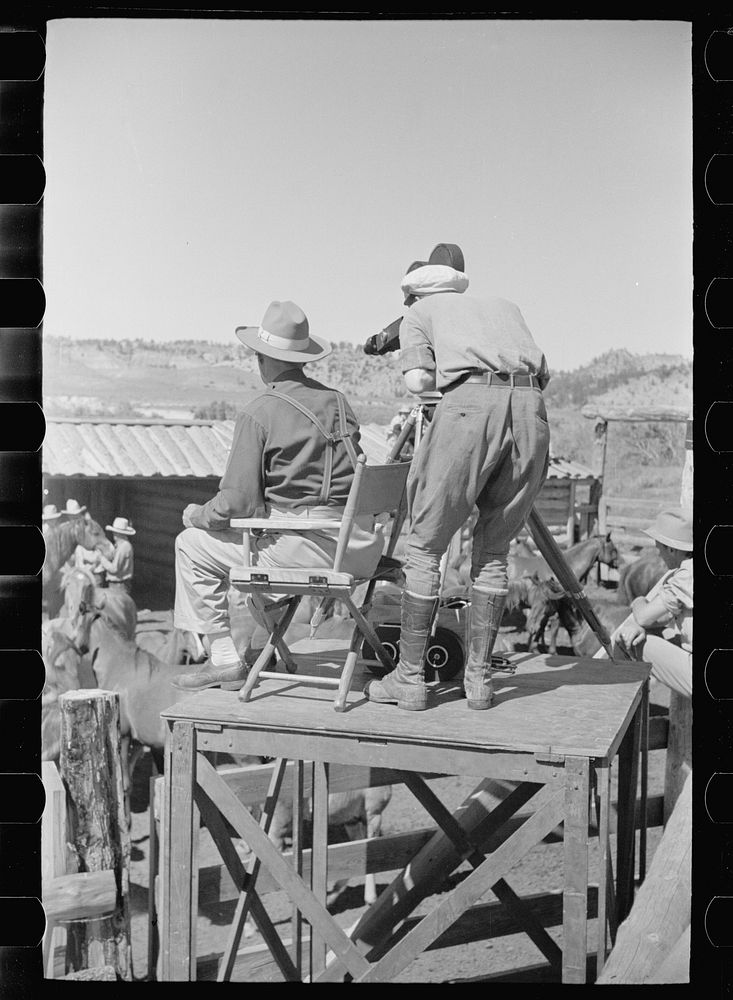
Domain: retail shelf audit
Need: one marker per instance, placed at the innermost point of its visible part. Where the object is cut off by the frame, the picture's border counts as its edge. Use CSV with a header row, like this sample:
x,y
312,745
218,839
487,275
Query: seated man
x,y
293,454
667,608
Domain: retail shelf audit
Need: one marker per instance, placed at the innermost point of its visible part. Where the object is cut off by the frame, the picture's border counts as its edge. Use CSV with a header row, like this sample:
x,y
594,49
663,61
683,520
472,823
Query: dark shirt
x,y
278,455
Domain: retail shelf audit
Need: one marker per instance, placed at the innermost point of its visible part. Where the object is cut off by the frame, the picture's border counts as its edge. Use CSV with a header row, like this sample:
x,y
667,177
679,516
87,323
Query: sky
x,y
198,170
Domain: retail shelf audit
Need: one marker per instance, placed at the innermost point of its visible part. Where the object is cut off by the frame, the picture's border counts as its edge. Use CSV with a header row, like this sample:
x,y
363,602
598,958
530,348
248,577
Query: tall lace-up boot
x,y
482,628
405,685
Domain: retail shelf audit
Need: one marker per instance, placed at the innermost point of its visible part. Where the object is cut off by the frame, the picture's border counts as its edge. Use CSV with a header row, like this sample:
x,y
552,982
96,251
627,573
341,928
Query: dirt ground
x,y
539,871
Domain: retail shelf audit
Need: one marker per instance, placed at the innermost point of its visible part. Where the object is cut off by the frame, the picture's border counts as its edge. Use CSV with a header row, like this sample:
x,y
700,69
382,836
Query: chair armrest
x,y
284,524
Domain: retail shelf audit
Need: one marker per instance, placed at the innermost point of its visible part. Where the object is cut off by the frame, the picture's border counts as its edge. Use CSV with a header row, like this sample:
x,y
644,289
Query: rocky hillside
x,y
186,378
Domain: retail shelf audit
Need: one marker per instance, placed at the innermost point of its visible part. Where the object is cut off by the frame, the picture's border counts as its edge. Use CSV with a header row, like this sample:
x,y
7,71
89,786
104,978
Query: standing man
x,y
293,454
486,446
119,567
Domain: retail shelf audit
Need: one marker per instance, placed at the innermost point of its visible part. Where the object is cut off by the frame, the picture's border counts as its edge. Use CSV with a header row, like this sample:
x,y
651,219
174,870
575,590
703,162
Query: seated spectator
x,y
659,628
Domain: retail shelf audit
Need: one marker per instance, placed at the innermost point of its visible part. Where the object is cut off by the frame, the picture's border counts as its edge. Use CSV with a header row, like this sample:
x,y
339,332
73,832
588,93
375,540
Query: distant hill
x,y
198,377
620,377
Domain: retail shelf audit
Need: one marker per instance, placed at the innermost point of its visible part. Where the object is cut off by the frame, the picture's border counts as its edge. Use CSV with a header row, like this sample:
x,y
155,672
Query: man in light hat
x,y
487,446
293,454
50,514
659,628
395,429
119,567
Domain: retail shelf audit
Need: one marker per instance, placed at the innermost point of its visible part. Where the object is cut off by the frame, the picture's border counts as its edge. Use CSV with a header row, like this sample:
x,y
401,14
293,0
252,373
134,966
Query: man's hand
x,y
630,636
191,510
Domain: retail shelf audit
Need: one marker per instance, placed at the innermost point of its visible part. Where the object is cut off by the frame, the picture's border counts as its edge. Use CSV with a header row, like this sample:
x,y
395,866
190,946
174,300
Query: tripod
x,y
537,528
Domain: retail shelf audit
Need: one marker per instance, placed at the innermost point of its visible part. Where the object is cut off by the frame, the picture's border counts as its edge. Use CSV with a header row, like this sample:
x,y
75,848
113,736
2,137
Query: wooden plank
x,y
468,891
357,858
236,814
678,761
482,922
457,835
575,892
482,820
627,817
296,920
220,835
319,869
80,896
661,911
253,869
566,706
53,853
178,856
605,876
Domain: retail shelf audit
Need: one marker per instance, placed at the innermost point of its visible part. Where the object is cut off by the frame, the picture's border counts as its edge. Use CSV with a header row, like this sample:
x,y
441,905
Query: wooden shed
x,y
147,471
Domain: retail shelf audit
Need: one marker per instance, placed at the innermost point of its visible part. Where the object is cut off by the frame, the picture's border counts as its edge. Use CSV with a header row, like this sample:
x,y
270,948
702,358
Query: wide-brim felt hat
x,y
672,528
121,526
50,512
73,507
284,335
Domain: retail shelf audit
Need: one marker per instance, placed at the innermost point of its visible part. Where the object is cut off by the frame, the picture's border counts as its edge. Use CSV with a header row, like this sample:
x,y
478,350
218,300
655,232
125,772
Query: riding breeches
x,y
486,447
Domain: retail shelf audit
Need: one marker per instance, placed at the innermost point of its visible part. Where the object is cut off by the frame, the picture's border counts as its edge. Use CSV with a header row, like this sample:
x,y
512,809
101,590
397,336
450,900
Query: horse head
x,y
91,535
608,553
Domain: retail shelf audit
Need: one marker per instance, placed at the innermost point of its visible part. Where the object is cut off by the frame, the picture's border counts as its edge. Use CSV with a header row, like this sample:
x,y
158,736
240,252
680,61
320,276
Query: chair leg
x,y
272,643
346,676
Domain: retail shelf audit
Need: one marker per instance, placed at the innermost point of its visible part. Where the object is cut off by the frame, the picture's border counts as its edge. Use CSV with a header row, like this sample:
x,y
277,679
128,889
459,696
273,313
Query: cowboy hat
x,y
672,528
283,335
73,507
50,512
120,526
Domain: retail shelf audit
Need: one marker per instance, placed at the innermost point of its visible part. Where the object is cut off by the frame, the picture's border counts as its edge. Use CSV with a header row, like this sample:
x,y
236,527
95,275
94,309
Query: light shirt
x,y
454,334
675,591
119,567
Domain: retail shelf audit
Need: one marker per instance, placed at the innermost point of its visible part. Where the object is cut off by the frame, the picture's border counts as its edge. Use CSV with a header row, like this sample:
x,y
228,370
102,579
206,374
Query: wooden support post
x,y
628,773
179,850
92,772
661,911
53,855
678,761
320,859
575,893
297,918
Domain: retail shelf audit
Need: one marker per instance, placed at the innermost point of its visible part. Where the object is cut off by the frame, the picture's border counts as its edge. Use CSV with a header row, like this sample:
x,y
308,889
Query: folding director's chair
x,y
376,489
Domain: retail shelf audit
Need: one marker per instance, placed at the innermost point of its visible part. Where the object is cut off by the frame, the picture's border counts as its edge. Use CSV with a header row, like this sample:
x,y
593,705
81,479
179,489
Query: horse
x,y
637,578
352,815
61,540
66,670
142,680
79,586
547,598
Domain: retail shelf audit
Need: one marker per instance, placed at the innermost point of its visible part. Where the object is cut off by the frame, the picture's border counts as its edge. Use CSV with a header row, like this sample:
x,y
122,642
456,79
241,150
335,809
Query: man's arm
x,y
241,487
650,613
417,355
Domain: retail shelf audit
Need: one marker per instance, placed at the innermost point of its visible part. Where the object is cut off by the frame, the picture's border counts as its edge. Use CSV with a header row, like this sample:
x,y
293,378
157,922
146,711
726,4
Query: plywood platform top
x,y
552,704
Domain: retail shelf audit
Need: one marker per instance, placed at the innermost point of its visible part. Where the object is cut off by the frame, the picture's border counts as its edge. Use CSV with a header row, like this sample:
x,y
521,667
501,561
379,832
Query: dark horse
x,y
548,597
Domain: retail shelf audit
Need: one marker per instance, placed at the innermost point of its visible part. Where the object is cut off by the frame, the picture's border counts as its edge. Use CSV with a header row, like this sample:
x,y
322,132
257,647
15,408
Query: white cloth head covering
x,y
432,278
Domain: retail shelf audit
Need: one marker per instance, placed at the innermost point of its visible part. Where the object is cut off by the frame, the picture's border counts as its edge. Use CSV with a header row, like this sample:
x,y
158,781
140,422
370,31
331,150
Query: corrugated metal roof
x,y
185,449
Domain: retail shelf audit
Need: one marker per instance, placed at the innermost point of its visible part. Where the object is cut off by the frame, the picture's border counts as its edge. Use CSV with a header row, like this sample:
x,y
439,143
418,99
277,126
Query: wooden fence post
x,y
53,855
661,911
679,750
92,772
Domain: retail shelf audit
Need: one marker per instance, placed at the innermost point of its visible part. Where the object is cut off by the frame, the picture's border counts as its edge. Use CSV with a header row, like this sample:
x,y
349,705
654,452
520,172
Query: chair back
x,y
376,489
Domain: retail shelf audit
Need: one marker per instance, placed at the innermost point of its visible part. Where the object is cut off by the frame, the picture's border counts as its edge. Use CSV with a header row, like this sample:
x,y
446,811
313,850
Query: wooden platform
x,y
552,705
556,728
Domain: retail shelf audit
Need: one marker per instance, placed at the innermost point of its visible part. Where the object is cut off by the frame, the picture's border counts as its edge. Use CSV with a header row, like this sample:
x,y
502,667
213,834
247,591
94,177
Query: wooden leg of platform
x,y
319,859
626,837
178,855
644,709
603,800
575,894
296,920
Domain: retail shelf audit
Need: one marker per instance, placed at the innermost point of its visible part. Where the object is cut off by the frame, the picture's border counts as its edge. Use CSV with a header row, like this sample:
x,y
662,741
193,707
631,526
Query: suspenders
x,y
331,439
